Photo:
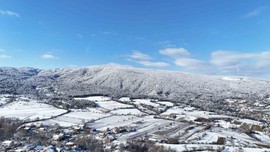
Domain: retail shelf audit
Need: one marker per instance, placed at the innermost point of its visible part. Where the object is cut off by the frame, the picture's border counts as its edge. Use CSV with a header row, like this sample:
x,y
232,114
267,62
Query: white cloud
x,y
249,64
9,13
255,12
153,64
49,56
195,66
222,62
3,56
175,52
189,62
139,56
145,60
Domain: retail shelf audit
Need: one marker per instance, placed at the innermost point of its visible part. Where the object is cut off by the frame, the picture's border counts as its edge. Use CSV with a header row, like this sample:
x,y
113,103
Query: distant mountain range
x,y
117,81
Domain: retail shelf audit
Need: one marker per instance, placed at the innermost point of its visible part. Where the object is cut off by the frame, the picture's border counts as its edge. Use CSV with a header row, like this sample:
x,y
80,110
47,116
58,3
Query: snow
x,y
115,121
29,110
249,121
146,102
86,115
125,99
75,118
169,104
112,105
234,149
224,124
261,137
3,100
127,112
231,78
191,147
95,98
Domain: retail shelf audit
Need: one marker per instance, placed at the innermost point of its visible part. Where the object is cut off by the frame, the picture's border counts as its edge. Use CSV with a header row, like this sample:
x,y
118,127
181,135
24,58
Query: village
x,y
112,122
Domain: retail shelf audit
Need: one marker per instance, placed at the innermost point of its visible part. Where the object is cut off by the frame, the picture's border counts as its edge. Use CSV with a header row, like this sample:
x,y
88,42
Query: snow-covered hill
x,y
119,81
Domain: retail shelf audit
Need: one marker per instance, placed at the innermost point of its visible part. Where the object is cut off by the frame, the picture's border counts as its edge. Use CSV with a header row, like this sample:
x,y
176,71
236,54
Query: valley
x,y
179,127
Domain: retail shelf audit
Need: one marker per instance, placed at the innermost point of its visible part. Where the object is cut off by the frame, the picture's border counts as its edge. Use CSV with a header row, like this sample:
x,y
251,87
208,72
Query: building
x,y
7,144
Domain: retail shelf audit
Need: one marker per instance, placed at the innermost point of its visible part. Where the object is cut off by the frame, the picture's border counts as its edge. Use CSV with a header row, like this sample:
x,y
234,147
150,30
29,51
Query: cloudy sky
x,y
219,37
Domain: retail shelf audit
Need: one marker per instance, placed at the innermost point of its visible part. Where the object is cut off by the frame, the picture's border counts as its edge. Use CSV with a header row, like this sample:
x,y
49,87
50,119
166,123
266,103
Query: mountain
x,y
117,81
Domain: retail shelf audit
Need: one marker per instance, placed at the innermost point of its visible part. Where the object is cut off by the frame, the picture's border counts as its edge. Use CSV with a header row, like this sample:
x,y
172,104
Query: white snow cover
x,y
261,137
184,147
146,101
169,104
94,98
76,118
127,112
29,110
112,105
125,99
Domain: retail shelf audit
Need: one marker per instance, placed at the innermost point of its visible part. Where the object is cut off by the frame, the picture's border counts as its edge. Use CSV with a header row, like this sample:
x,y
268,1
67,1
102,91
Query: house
x,y
256,127
115,130
38,124
30,147
7,144
109,139
70,145
58,137
41,129
39,148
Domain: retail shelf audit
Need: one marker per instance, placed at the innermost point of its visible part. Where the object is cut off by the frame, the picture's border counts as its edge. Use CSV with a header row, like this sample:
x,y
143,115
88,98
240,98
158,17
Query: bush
x,y
8,127
89,143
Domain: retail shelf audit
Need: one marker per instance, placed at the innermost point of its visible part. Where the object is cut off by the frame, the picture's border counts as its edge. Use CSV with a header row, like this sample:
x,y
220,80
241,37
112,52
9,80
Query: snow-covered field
x,y
237,138
95,98
3,100
125,99
112,105
115,121
176,122
169,104
261,137
29,110
76,118
127,112
146,102
207,147
192,114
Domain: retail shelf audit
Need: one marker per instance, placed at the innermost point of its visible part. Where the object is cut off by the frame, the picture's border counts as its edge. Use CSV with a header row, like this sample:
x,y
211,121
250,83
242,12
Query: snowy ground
x,y
4,98
125,99
76,118
112,105
95,98
29,110
207,147
169,104
115,121
110,114
191,113
145,101
127,112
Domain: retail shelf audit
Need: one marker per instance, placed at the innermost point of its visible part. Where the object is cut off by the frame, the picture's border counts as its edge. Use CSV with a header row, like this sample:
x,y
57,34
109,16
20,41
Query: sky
x,y
216,37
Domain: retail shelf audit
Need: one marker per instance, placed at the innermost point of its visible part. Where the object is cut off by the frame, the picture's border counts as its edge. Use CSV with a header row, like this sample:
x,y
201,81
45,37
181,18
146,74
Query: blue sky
x,y
219,37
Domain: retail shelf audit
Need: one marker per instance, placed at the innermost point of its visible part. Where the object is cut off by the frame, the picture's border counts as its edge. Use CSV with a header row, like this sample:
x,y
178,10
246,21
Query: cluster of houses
x,y
60,139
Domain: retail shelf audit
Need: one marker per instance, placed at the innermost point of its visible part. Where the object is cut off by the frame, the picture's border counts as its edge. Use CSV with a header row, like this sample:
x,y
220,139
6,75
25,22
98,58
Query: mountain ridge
x,y
120,81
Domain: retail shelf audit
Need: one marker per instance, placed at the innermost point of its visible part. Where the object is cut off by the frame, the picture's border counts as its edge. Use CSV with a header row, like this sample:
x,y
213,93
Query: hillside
x,y
117,81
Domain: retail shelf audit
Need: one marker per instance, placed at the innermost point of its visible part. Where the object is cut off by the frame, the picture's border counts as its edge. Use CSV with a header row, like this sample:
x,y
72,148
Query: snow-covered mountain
x,y
119,81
